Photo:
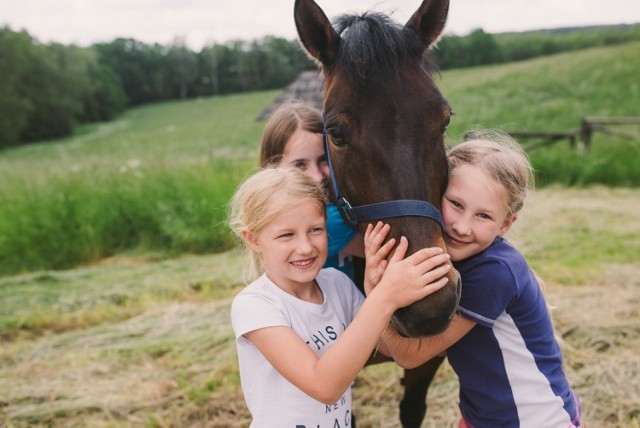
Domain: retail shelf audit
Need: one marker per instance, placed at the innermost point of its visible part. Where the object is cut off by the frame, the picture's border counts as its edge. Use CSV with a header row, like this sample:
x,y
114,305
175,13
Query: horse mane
x,y
373,46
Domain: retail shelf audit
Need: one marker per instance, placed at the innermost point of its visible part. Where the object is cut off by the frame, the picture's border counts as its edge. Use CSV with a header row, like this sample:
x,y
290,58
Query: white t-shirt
x,y
272,400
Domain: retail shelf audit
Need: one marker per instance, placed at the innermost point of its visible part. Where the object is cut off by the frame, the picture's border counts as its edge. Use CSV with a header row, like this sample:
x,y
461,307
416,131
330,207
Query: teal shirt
x,y
339,234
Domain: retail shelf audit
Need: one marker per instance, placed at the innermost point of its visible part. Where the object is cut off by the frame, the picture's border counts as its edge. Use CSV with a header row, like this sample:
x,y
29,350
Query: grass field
x,y
157,179
116,268
135,341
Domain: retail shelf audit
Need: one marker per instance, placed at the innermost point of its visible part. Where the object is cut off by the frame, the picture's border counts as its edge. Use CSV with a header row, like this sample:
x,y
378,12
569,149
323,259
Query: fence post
x,y
586,131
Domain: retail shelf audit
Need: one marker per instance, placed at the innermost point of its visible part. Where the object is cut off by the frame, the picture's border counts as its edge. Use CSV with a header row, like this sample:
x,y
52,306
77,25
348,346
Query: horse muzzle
x,y
431,315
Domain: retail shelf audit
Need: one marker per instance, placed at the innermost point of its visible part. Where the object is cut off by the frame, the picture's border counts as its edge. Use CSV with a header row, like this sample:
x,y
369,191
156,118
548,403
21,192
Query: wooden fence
x,y
581,139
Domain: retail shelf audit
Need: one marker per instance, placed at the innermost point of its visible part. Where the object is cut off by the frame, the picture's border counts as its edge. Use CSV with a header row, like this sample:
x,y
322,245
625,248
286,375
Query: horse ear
x,y
316,33
428,21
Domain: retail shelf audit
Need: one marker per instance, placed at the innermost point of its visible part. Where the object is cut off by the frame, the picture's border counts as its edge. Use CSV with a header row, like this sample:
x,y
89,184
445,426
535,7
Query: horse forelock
x,y
373,46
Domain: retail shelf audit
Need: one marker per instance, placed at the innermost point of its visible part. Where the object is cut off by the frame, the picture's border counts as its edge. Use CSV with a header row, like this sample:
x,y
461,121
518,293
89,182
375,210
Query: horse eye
x,y
446,124
336,138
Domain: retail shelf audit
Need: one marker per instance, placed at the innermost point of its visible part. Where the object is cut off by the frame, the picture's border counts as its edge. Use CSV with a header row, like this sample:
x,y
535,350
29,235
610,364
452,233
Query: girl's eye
x,y
300,165
484,216
285,235
317,230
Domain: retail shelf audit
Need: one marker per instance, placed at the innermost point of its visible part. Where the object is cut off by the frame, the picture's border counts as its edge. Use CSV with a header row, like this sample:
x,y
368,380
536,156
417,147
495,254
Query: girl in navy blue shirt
x,y
501,343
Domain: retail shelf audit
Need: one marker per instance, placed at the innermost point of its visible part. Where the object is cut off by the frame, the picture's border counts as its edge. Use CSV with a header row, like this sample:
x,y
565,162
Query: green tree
x,y
183,66
208,82
106,98
55,83
482,48
14,62
140,68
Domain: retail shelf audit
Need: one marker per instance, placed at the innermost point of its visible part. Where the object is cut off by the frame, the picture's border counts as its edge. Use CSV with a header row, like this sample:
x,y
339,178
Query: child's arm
x,y
409,353
326,378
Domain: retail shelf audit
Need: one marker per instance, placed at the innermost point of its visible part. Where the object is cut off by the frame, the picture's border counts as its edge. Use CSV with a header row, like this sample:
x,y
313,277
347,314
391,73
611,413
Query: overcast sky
x,y
202,22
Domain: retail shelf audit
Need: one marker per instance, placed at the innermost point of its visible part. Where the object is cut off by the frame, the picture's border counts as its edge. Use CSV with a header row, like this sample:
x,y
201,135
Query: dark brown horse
x,y
385,121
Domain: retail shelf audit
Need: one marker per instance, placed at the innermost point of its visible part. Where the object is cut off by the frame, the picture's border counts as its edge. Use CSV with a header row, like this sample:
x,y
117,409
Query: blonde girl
x,y
303,333
501,344
293,137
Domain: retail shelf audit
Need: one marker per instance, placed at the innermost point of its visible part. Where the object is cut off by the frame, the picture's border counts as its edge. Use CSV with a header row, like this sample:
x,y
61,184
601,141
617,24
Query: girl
x,y
501,344
300,343
293,136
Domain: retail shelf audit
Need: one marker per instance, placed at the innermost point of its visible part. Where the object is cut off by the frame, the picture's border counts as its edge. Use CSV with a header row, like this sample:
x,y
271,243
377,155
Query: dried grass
x,y
174,365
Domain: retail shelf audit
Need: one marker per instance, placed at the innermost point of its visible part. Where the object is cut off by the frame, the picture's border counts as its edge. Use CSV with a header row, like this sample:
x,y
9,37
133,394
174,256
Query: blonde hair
x,y
264,196
289,117
502,158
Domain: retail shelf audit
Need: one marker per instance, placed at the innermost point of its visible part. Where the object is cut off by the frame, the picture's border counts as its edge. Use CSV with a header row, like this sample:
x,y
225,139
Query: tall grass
x,y
554,94
158,179
87,216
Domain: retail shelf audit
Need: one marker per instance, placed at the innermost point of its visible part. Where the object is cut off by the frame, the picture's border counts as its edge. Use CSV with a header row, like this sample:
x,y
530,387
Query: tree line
x,y
47,89
480,48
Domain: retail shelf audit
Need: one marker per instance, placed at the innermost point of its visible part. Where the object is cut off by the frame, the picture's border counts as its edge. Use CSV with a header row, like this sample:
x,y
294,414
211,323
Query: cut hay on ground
x,y
174,364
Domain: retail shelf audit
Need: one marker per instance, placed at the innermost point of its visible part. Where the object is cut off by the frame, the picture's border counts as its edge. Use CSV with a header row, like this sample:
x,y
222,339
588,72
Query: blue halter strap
x,y
379,210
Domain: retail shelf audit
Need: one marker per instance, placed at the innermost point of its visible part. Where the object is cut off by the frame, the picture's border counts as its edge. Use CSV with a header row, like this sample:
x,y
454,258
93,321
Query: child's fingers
x,y
427,253
434,286
384,251
401,250
374,237
367,233
428,263
437,272
379,232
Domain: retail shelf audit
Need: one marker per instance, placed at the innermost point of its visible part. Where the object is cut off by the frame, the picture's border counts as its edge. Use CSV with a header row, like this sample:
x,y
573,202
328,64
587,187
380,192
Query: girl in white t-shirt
x,y
303,333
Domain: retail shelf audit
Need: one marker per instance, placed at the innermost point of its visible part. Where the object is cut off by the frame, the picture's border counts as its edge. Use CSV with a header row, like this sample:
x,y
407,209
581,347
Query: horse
x,y
385,122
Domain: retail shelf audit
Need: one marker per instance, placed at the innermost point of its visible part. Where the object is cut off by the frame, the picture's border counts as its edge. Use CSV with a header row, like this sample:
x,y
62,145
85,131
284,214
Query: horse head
x,y
385,121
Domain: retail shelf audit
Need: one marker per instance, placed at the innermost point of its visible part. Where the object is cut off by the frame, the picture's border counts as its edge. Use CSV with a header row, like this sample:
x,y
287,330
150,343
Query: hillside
x,y
117,271
158,178
586,29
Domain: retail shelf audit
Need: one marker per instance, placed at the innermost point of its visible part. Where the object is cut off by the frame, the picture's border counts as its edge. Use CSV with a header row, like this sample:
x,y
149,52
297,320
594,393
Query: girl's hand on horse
x,y
402,280
376,254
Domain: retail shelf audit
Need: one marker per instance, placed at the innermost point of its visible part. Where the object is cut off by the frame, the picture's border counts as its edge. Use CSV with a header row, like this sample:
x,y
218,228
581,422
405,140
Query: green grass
x,y
115,290
548,93
137,333
87,216
553,94
122,337
146,341
158,178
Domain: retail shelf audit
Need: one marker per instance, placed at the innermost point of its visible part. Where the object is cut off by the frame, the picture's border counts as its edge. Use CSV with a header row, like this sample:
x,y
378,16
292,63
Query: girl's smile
x,y
474,210
293,247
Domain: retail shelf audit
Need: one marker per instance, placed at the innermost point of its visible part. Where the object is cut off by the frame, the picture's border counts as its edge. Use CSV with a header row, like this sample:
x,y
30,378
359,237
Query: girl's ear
x,y
251,239
508,222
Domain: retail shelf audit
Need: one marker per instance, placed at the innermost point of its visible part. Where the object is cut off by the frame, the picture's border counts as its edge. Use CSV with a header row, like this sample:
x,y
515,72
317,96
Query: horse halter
x,y
378,210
